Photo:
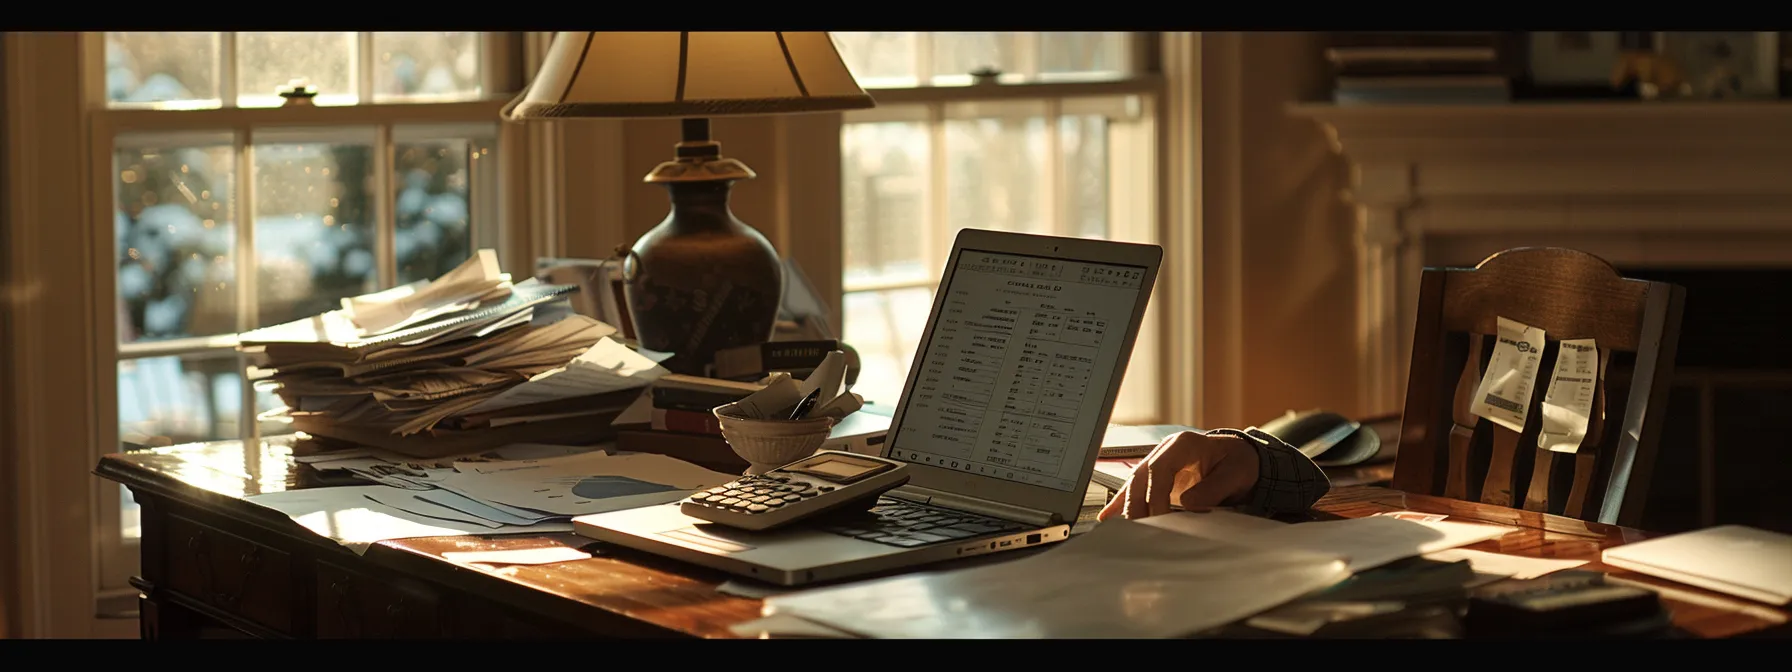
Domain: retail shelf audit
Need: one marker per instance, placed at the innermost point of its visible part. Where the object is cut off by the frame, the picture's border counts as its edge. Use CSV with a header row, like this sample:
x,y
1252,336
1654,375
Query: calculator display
x,y
838,469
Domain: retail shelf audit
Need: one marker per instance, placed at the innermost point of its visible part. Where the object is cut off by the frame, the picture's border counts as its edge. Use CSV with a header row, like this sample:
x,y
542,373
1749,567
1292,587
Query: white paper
x,y
578,485
521,556
347,516
1122,579
411,501
780,393
1414,516
501,514
350,464
607,366
782,626
1568,403
638,413
1216,525
1373,541
475,277
1510,566
1505,392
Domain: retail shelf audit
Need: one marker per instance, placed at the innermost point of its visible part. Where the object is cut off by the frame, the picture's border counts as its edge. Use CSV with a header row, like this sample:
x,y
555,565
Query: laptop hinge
x,y
986,507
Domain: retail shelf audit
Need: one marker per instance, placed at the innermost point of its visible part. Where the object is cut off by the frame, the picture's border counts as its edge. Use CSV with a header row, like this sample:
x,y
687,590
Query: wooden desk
x,y
214,563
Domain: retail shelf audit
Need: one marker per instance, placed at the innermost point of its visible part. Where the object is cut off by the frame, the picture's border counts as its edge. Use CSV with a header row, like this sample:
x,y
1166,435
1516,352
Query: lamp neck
x,y
696,145
701,205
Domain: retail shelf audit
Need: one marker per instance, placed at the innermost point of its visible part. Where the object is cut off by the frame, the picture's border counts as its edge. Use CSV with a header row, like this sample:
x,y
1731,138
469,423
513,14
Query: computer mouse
x,y
1327,438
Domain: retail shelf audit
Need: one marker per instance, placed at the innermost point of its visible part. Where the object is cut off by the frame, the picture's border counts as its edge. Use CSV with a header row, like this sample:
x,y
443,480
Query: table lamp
x,y
701,280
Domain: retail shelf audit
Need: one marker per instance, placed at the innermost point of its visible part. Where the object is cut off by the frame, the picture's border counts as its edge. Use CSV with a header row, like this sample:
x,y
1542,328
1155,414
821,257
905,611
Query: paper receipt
x,y
1568,404
1505,393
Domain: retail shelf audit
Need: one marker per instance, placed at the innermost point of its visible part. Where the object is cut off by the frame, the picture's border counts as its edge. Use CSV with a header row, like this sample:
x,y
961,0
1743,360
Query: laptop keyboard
x,y
907,524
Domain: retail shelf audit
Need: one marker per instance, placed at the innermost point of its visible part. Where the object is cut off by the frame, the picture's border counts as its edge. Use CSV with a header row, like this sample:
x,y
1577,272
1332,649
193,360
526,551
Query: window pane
x,y
171,70
884,185
1084,140
996,174
879,60
313,228
267,61
884,327
172,400
965,53
1083,53
422,67
175,242
433,181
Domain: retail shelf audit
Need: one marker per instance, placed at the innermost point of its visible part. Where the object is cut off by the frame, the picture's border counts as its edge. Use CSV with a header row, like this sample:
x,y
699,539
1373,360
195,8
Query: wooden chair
x,y
1445,450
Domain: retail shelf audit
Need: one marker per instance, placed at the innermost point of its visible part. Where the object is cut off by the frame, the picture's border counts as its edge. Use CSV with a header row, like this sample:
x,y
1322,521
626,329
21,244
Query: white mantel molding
x,y
1644,183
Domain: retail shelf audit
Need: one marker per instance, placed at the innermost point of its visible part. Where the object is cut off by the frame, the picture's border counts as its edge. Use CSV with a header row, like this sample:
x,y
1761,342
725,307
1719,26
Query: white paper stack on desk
x,y
466,362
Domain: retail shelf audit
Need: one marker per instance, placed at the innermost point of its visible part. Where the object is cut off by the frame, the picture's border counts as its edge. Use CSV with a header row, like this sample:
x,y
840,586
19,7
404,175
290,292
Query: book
x,y
762,358
1349,56
704,450
685,421
1731,559
696,393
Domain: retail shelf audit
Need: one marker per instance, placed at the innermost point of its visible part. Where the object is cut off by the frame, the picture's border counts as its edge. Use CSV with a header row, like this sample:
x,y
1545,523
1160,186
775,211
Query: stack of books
x,y
464,363
1426,68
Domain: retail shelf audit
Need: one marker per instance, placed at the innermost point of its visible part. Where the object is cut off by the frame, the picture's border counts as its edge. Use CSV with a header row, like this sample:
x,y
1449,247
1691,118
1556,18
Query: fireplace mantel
x,y
1640,184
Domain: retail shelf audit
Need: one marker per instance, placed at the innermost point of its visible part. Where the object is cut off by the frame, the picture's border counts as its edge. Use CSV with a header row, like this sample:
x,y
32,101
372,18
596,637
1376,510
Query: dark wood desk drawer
x,y
228,572
351,605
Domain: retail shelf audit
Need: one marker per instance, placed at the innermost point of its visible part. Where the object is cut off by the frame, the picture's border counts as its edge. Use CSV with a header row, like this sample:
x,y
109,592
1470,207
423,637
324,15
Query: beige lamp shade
x,y
688,74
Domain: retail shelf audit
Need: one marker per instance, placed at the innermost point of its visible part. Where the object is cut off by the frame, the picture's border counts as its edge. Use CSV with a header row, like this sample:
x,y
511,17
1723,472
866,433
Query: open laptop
x,y
1000,421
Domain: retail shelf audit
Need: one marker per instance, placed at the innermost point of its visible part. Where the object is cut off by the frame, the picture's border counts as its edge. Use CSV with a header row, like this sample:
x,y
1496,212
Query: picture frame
x,y
1571,64
1720,65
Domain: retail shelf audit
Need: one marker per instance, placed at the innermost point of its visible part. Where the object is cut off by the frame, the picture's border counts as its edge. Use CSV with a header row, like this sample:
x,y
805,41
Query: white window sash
x,y
63,333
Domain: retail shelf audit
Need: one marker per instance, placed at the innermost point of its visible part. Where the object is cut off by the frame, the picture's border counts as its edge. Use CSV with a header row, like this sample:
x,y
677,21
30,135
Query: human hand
x,y
1196,471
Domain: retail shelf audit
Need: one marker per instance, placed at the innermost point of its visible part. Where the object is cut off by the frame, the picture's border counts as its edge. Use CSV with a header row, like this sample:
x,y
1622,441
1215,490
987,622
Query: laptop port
x,y
1032,539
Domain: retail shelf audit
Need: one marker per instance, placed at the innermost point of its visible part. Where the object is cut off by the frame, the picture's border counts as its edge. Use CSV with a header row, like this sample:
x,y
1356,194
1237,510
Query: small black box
x,y
1565,604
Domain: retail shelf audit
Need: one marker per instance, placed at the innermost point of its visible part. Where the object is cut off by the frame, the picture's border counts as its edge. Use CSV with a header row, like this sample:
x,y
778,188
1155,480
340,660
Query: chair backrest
x,y
1447,450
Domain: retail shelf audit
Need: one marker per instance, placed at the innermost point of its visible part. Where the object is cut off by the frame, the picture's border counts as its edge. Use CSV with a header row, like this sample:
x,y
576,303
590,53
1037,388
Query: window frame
x,y
63,332
1147,79
566,190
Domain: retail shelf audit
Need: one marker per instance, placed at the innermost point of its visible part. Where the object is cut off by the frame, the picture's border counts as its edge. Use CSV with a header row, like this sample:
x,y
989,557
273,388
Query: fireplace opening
x,y
1725,454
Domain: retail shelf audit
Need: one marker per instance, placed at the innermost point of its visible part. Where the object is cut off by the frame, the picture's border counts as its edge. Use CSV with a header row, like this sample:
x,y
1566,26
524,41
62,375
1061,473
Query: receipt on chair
x,y
1505,393
1568,404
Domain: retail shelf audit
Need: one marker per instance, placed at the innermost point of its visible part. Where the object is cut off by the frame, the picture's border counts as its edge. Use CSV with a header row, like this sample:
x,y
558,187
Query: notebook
x,y
1733,559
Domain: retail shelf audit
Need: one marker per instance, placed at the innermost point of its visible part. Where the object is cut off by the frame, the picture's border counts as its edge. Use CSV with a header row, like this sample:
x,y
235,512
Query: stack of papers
x,y
1123,579
468,351
1164,576
524,488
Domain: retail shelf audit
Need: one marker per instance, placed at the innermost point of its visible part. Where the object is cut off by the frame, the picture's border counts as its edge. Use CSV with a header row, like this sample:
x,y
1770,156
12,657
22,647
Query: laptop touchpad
x,y
693,535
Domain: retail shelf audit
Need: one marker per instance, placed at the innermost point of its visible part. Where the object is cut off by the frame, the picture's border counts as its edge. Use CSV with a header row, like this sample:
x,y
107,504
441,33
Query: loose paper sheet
x,y
785,626
1505,565
521,556
577,485
1373,541
1568,404
1216,525
607,367
1122,579
346,515
1505,393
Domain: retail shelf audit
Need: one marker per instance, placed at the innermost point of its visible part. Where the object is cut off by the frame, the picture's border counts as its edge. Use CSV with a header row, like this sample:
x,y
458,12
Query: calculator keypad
x,y
759,494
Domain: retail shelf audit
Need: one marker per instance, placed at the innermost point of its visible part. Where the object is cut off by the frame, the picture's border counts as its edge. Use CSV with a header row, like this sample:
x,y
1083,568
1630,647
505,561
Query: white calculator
x,y
824,482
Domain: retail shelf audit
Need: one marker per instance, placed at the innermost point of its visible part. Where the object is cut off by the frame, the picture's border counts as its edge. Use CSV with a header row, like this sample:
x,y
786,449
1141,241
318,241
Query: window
x,y
1038,132
235,209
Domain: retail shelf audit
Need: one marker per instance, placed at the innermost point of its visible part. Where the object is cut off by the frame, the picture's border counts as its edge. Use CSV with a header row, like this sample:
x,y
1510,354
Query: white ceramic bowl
x,y
769,444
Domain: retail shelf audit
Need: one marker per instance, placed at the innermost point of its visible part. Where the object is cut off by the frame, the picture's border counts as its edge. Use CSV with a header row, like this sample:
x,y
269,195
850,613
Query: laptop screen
x,y
1016,367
